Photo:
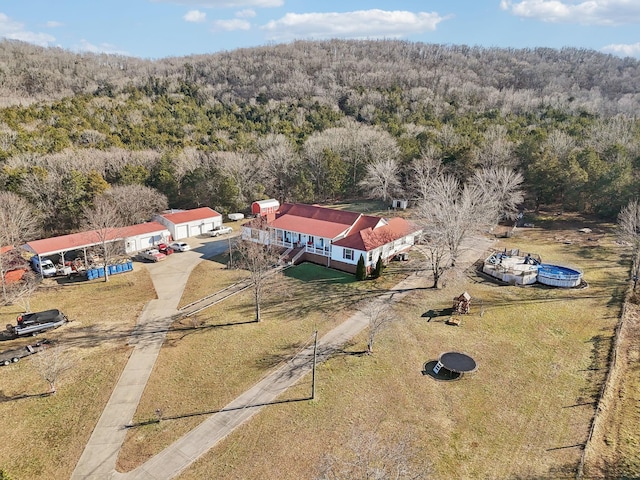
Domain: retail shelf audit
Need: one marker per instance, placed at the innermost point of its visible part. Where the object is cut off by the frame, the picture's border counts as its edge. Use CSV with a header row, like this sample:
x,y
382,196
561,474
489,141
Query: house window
x,y
370,257
347,254
255,234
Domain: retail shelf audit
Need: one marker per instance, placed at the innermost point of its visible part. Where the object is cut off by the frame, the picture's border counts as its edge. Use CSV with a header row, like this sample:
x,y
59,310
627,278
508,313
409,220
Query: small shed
x,y
189,223
399,203
265,207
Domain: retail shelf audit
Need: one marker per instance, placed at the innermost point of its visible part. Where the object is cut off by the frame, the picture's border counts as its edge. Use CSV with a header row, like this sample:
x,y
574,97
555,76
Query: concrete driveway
x,y
98,460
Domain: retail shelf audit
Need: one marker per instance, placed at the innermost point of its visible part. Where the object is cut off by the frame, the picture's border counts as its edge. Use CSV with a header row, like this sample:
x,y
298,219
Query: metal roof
x,y
65,243
370,238
194,215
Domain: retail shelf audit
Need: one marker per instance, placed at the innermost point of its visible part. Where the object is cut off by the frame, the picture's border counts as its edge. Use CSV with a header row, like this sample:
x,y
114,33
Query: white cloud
x,y
195,16
585,12
358,24
226,3
85,46
624,50
13,30
54,24
231,25
246,13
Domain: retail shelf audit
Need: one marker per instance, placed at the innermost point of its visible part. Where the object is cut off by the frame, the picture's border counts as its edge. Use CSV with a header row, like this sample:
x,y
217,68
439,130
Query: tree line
x,y
315,121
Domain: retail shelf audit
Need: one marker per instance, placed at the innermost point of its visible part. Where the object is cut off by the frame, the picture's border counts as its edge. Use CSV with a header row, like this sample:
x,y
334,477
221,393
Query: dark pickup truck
x,y
36,322
12,356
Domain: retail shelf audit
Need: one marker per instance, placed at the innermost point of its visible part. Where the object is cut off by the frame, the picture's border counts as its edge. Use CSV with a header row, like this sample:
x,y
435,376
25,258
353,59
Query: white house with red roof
x,y
189,223
330,237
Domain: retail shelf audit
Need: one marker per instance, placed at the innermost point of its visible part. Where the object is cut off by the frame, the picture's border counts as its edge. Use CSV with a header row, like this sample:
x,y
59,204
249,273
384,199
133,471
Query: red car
x,y
164,248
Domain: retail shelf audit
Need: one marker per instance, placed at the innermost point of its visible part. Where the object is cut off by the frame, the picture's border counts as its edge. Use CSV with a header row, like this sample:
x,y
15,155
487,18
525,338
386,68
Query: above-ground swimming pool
x,y
558,276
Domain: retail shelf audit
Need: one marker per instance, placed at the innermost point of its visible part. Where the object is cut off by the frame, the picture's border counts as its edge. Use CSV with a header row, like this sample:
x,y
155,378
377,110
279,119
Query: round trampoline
x,y
455,362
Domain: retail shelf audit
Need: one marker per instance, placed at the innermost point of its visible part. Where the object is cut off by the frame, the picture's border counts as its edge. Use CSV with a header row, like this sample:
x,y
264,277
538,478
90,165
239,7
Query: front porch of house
x,y
311,243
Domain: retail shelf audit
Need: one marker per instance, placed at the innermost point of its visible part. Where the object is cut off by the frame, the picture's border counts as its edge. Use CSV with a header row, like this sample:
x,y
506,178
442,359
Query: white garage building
x,y
189,223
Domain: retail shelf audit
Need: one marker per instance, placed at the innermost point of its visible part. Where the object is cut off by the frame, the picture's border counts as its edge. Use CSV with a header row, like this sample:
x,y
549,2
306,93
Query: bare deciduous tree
x,y
246,170
629,232
381,178
368,456
18,223
280,164
496,150
434,246
22,290
51,363
423,171
453,212
104,220
135,203
503,186
380,317
259,261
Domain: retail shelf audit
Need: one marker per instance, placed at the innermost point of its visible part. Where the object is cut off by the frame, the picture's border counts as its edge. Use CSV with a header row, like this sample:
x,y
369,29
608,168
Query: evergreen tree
x,y
361,271
378,271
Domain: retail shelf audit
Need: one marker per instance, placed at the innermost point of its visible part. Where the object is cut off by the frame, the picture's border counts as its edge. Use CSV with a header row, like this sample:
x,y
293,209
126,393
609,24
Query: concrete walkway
x,y
99,458
182,453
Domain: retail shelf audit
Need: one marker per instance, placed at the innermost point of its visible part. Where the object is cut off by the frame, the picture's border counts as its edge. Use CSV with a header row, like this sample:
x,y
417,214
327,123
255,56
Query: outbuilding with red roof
x,y
189,223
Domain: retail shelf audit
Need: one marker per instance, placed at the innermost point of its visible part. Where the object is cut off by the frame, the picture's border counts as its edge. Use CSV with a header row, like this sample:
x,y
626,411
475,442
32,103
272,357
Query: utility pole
x,y
313,372
230,254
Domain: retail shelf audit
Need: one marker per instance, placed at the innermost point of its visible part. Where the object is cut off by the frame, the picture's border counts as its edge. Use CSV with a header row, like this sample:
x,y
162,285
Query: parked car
x,y
220,230
166,249
31,323
152,255
43,266
180,246
12,356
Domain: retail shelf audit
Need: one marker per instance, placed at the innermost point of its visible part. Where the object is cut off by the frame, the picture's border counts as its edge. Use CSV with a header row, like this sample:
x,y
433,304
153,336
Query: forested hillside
x,y
315,121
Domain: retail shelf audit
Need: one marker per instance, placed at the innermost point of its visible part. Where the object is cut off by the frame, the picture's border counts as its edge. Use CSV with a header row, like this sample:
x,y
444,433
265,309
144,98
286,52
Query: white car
x,y
180,246
220,230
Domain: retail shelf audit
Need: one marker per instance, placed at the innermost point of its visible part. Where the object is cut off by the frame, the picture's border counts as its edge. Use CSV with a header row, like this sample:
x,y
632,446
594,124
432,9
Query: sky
x,y
156,29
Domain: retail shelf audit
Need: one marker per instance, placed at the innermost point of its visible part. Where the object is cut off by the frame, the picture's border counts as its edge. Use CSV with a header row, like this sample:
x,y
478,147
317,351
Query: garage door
x,y
207,227
181,232
146,242
195,230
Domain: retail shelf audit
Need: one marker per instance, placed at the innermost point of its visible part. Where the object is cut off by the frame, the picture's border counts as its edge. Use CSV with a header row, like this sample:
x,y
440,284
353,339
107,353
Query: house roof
x,y
193,215
362,232
370,238
314,220
49,246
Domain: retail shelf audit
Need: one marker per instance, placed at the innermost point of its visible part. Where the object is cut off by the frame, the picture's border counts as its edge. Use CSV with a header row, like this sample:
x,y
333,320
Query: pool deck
x,y
527,269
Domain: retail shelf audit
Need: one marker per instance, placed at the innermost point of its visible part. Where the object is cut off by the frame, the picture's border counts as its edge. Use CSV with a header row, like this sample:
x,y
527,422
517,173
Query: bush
x,y
361,271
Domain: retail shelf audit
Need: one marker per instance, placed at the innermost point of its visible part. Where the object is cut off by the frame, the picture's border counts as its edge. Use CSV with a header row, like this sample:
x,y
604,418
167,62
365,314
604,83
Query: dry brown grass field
x,y
44,435
526,412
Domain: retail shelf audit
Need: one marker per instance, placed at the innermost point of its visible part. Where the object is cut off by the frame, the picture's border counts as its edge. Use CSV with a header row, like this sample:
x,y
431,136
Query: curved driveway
x,y
98,460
